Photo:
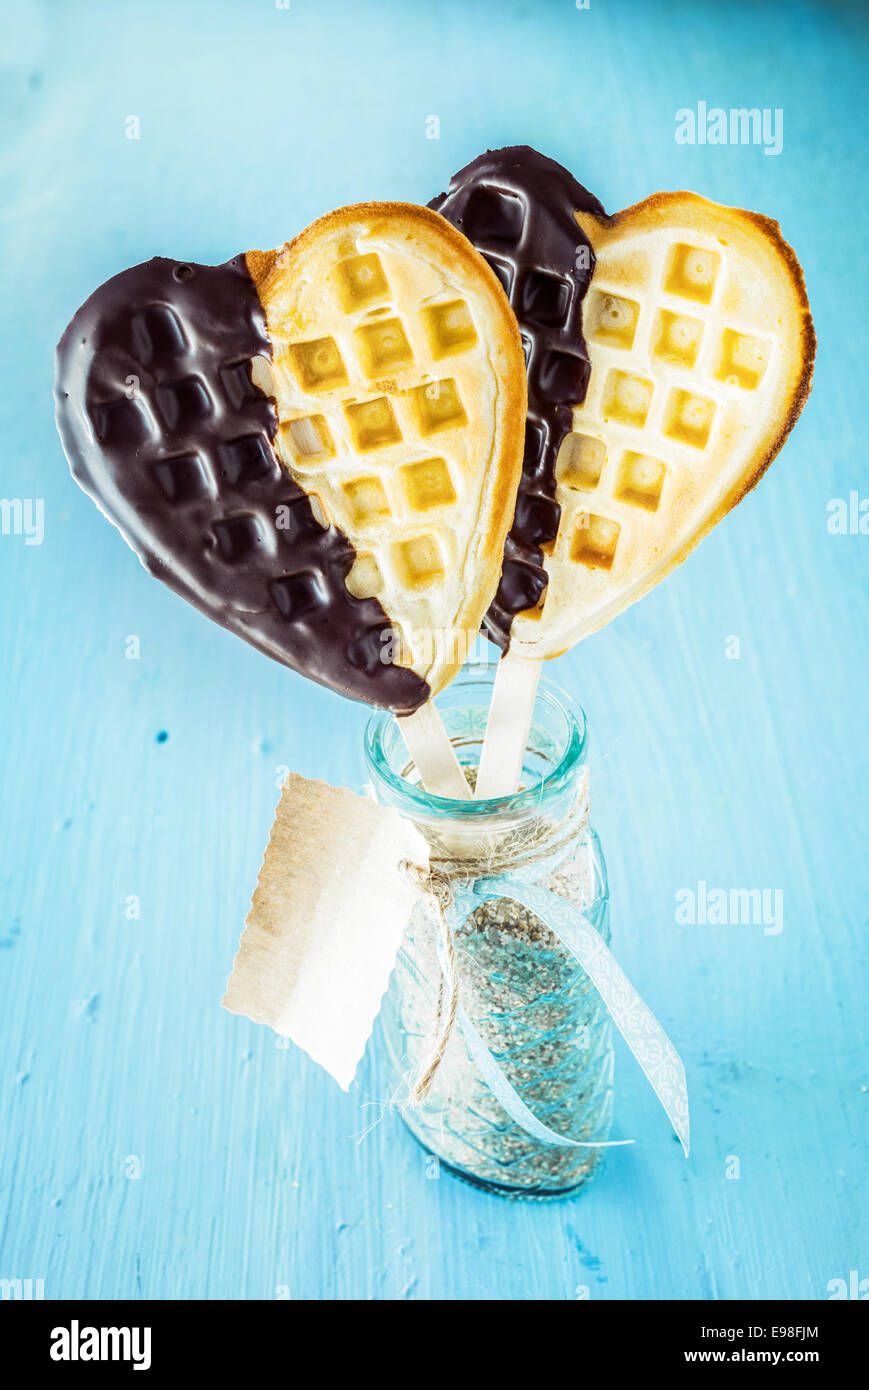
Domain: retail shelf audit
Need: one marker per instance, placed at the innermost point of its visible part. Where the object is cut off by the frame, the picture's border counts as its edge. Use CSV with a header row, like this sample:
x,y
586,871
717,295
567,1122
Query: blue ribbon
x,y
635,1021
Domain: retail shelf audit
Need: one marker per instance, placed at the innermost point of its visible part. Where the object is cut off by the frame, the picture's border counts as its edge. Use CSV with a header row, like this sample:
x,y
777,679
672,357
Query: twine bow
x,y
453,889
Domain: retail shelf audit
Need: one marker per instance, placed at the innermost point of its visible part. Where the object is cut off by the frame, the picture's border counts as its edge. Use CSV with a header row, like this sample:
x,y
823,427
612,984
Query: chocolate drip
x,y
165,429
517,207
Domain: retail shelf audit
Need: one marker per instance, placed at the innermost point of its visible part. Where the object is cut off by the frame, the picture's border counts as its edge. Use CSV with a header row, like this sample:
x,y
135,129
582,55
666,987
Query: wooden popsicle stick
x,y
429,745
507,727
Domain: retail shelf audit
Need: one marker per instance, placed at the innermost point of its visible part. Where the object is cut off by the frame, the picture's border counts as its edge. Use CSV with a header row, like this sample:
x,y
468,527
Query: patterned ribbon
x,y
635,1021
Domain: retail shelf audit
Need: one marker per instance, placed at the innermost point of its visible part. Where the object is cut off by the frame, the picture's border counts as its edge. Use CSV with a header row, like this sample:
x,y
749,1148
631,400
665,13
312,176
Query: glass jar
x,y
525,994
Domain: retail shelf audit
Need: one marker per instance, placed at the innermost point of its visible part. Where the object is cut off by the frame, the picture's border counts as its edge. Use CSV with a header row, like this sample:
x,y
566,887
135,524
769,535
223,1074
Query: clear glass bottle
x,y
528,998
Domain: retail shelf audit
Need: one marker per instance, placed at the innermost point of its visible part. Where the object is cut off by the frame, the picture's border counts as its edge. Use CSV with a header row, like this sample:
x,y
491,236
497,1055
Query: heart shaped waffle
x,y
701,347
317,446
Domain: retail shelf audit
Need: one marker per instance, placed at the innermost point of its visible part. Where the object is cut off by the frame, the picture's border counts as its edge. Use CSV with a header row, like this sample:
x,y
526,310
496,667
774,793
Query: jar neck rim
x,y
413,801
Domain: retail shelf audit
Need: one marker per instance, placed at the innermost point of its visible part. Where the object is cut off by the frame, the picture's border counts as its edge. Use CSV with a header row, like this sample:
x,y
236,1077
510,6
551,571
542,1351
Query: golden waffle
x,y
701,347
399,383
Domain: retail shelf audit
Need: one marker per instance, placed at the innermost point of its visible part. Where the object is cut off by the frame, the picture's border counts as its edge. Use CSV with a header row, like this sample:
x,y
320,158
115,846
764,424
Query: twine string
x,y
435,888
542,840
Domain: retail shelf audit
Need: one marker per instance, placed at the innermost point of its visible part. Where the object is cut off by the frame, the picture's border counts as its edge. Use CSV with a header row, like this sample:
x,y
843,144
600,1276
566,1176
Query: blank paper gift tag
x,y
326,921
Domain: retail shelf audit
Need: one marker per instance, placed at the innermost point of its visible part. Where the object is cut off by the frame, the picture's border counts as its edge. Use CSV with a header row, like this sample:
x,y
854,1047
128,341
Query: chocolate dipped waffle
x,y
317,446
669,353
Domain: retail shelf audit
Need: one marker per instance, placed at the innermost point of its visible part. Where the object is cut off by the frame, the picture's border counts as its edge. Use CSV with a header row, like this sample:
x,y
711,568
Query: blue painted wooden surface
x,y
153,1145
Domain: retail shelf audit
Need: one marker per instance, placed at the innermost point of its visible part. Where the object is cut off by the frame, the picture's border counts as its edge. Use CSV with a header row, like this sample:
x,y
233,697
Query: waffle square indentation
x,y
536,519
318,364
676,338
562,377
373,424
238,384
641,480
535,447
427,484
450,328
688,418
580,461
492,215
121,424
308,439
184,404
438,406
525,584
545,299
594,541
419,561
372,649
691,272
364,579
295,519
237,537
157,334
297,595
504,272
362,281
383,346
612,320
246,459
742,359
626,398
367,501
182,479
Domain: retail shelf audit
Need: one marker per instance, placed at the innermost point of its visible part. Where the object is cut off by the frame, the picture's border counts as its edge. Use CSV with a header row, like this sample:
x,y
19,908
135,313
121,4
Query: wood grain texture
x,y
155,1146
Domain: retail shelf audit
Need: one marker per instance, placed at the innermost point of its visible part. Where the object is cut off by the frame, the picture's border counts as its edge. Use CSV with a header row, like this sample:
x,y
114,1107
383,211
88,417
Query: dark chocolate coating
x,y
517,207
165,429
